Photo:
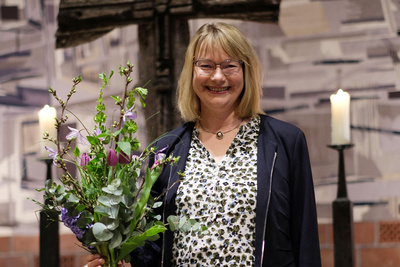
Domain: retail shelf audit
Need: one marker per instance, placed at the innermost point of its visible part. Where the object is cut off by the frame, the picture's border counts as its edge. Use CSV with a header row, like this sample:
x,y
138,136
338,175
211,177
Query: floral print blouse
x,y
222,197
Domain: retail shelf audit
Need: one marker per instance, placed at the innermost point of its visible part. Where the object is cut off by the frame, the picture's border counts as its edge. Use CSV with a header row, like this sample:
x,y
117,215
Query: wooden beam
x,y
81,21
163,34
394,94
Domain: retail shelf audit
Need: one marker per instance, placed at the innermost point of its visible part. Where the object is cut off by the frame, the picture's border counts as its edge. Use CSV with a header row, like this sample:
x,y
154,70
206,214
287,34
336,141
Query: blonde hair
x,y
235,44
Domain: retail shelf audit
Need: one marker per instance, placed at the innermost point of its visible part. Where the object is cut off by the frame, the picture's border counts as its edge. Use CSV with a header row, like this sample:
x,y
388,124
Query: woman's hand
x,y
95,260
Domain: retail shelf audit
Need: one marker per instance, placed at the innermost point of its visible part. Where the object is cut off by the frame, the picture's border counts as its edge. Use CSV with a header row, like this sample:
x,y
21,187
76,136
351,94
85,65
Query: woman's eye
x,y
206,66
229,66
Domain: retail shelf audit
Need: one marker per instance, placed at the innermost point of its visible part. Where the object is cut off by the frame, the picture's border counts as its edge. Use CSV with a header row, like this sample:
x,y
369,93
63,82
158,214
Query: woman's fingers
x,y
124,264
91,257
94,260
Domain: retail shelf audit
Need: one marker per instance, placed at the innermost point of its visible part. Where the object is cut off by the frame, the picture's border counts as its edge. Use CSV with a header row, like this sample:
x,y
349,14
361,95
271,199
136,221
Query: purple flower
x,y
123,158
79,232
66,219
53,154
129,114
84,159
70,222
112,158
97,132
75,133
158,157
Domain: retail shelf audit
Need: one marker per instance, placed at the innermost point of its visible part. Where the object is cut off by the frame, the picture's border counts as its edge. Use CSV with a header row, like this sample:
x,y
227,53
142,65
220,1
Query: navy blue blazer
x,y
286,219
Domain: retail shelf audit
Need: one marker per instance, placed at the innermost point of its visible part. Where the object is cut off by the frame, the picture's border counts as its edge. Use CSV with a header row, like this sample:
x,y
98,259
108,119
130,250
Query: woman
x,y
247,175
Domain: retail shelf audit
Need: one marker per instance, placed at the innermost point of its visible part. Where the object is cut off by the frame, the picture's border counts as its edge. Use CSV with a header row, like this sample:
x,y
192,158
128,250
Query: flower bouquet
x,y
109,208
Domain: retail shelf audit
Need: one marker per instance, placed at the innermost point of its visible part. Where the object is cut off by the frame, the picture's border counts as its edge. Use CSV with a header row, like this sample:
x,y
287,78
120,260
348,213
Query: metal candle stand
x,y
49,255
342,209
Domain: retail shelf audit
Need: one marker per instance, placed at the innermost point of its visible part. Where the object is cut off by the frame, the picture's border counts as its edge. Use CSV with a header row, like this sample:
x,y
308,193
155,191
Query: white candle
x,y
47,117
340,123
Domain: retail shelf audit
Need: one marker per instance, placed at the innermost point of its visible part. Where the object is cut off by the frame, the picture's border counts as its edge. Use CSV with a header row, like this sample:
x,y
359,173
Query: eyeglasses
x,y
228,67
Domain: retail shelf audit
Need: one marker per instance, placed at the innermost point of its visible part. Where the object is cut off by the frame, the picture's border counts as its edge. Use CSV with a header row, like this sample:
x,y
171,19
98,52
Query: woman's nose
x,y
218,74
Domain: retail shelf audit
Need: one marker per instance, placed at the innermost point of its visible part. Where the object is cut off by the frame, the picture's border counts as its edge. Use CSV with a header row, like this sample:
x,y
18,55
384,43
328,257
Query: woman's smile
x,y
217,89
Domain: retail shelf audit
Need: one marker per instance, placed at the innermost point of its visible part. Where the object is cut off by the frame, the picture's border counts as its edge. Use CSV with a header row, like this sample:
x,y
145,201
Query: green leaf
x,y
101,232
182,221
105,200
110,211
157,204
100,117
142,91
78,209
102,76
196,226
116,240
116,133
93,140
173,221
138,240
151,177
77,152
84,220
110,223
116,98
125,147
111,74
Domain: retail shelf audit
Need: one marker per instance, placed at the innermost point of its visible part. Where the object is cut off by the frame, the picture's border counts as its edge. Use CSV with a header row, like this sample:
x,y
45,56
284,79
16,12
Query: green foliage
x,y
111,204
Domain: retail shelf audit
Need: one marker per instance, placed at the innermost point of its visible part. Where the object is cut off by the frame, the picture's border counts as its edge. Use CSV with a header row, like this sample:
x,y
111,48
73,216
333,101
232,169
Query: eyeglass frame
x,y
216,64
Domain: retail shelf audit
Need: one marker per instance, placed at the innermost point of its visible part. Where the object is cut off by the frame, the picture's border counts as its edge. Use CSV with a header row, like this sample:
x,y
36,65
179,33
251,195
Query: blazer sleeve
x,y
304,225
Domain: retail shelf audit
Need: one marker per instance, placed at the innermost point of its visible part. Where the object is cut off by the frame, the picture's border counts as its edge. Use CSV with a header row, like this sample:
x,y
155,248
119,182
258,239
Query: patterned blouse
x,y
222,197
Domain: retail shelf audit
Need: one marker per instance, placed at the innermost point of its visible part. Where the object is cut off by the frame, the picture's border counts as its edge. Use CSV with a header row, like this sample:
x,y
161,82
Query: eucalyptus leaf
x,y
127,215
103,210
114,212
116,240
157,204
105,200
101,232
182,221
72,198
59,198
127,200
110,223
196,227
115,200
173,222
142,223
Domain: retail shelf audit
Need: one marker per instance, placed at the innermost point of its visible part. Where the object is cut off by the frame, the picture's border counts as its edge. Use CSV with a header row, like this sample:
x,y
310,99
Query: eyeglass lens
x,y
228,67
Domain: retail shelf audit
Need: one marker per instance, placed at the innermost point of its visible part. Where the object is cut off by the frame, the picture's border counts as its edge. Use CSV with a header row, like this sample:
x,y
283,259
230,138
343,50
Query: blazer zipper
x,y
267,209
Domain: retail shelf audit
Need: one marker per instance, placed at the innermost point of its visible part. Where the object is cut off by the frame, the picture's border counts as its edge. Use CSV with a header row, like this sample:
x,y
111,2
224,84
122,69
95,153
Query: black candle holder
x,y
342,211
49,252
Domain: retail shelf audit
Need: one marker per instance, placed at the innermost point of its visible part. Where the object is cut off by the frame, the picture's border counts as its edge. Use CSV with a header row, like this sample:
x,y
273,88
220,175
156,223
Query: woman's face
x,y
217,92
